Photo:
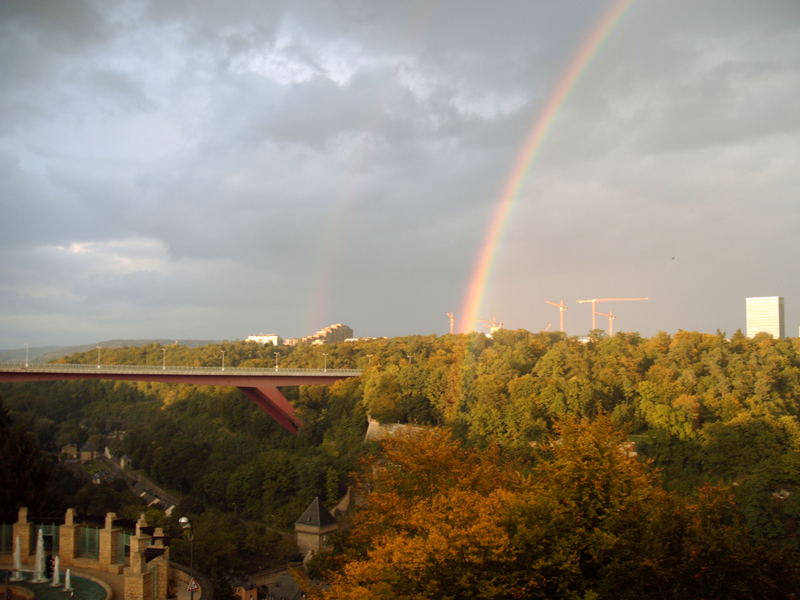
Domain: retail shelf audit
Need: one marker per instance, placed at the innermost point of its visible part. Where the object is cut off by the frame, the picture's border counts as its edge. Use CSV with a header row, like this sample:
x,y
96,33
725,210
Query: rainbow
x,y
331,247
522,164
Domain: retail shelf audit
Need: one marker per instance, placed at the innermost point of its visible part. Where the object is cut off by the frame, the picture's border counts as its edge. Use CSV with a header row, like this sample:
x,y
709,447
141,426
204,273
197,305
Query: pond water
x,y
85,589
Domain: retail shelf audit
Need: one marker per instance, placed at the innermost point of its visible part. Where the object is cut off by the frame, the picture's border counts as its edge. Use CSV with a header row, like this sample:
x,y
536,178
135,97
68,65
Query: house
x,y
69,452
89,452
245,591
313,528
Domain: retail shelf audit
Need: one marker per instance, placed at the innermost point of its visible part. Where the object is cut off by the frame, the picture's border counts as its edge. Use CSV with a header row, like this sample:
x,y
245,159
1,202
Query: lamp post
x,y
163,359
276,360
98,357
223,359
26,356
187,527
325,361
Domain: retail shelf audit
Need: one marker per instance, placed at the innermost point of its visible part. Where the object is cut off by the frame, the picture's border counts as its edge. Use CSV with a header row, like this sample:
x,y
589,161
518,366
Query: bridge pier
x,y
260,385
275,404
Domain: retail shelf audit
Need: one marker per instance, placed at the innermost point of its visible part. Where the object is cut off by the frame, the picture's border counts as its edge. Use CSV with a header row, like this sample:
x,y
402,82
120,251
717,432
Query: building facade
x,y
765,315
265,338
131,549
313,528
331,334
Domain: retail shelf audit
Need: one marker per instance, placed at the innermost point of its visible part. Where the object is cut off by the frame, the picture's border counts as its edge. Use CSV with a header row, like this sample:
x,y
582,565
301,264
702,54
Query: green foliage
x,y
226,547
211,446
702,407
28,477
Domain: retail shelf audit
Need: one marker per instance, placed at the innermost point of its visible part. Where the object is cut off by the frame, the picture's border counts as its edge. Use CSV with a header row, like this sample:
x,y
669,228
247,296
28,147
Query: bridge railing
x,y
169,369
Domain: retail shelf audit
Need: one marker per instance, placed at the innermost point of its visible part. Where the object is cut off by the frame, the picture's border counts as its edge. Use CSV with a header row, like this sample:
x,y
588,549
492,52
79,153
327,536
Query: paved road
x,y
132,478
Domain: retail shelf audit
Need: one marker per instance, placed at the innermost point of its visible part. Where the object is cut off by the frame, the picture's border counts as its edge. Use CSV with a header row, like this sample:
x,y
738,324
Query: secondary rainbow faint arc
x,y
533,142
319,304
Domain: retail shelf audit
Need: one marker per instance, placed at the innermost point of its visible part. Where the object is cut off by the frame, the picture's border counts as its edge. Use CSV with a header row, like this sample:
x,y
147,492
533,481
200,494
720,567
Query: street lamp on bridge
x,y
223,359
186,525
163,359
324,361
276,360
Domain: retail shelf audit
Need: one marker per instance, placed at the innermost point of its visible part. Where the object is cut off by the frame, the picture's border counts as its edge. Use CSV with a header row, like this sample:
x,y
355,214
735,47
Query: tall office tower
x,y
765,314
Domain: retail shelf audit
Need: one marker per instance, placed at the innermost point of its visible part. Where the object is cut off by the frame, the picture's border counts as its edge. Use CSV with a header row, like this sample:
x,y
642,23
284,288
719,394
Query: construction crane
x,y
561,308
452,318
594,302
611,316
493,325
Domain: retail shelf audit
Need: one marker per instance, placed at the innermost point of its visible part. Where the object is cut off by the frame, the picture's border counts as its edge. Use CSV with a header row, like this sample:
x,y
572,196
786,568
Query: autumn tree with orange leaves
x,y
584,518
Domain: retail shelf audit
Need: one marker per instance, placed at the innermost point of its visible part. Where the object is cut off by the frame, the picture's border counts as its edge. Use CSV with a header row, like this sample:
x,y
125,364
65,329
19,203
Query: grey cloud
x,y
734,102
117,91
37,39
57,26
264,165
205,17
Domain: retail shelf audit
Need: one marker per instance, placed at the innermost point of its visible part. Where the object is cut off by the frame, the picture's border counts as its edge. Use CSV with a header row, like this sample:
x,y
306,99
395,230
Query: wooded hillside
x,y
705,410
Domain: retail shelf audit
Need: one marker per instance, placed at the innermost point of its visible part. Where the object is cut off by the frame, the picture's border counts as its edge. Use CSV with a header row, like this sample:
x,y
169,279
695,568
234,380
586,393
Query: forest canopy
x,y
705,409
583,518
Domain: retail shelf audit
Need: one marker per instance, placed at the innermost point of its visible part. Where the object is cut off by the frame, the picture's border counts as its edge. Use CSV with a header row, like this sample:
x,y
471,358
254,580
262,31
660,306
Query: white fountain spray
x,y
38,567
56,572
17,561
68,581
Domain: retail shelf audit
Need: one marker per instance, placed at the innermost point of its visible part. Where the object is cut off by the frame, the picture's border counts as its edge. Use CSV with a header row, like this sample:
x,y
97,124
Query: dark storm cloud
x,y
56,26
202,169
36,39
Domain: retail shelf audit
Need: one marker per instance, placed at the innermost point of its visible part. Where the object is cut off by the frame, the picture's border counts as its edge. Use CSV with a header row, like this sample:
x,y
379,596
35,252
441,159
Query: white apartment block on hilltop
x,y
331,334
265,338
765,314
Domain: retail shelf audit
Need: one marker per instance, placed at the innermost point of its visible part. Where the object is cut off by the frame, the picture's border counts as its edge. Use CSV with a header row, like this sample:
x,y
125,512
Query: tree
x,y
590,520
433,527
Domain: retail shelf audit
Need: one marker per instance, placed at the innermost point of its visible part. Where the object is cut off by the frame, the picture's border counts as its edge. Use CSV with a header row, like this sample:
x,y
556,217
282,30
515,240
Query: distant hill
x,y
34,355
41,354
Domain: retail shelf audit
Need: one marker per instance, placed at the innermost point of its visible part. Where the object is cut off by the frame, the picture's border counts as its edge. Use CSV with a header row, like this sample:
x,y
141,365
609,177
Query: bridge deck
x,y
234,376
153,370
260,385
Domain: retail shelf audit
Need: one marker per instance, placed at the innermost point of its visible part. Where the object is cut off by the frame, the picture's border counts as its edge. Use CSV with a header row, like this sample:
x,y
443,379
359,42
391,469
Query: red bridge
x,y
260,385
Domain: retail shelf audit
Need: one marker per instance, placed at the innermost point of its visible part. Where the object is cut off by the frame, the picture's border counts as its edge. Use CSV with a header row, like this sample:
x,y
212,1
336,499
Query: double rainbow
x,y
522,164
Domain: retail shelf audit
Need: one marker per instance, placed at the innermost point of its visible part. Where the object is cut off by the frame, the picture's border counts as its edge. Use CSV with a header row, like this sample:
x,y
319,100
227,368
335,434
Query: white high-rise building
x,y
765,314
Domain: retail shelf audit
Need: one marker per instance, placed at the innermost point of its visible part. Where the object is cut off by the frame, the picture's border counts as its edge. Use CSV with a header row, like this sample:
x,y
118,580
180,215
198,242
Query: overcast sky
x,y
202,169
